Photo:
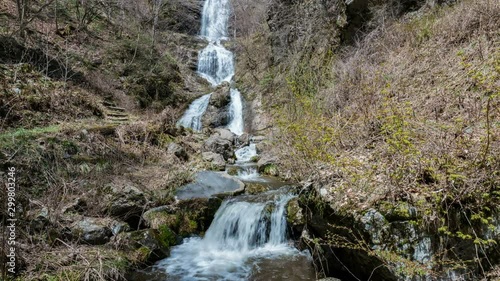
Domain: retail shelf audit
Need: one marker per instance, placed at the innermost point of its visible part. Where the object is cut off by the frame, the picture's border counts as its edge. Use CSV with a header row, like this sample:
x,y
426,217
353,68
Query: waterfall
x,y
246,153
236,113
214,19
241,232
216,63
192,116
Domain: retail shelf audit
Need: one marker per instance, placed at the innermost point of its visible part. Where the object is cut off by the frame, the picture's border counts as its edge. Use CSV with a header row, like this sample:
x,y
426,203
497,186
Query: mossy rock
x,y
269,169
255,188
294,216
232,171
148,245
399,211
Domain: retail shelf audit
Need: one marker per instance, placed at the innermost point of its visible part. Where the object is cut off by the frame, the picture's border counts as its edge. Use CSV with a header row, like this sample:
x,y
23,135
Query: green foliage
x,y
166,236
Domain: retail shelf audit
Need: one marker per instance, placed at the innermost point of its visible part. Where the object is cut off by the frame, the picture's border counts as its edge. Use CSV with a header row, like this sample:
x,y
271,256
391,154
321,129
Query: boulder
x,y
147,245
216,160
186,217
211,184
178,151
95,231
267,165
220,142
217,112
244,139
125,199
295,216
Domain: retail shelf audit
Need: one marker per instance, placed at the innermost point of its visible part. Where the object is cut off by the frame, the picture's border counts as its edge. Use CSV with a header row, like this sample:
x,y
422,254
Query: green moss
x,y
166,236
255,158
142,254
233,171
270,169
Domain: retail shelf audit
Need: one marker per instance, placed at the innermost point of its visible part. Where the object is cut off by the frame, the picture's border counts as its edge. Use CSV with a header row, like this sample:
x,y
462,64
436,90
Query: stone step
x,y
116,108
118,119
116,114
108,103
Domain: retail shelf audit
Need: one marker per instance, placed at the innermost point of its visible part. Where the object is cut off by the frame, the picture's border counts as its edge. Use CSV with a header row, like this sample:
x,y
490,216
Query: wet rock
x,y
220,142
295,217
209,184
255,188
217,112
216,160
244,139
93,231
185,217
178,151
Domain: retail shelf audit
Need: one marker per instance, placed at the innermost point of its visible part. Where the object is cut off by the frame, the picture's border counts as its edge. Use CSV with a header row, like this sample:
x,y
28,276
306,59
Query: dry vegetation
x,y
63,64
411,109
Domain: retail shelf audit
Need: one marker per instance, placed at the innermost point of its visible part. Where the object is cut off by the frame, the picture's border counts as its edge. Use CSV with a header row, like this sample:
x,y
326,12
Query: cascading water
x,y
192,116
241,233
216,63
236,113
214,19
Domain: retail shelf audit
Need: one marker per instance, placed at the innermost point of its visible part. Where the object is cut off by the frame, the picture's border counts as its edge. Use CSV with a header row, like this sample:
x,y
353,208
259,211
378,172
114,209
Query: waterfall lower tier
x,y
236,113
215,64
192,116
241,233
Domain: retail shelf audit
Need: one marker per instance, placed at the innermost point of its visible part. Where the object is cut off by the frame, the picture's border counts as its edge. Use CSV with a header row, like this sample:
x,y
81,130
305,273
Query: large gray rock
x,y
209,184
125,199
95,231
267,165
216,160
220,142
217,113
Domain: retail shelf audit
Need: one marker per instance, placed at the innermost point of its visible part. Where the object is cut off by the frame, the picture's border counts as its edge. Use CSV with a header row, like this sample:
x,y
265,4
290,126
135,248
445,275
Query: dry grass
x,y
412,108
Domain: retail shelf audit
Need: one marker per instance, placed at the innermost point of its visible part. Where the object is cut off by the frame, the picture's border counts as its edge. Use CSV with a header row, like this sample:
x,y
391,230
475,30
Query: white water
x,y
215,64
240,233
214,19
236,113
246,153
249,173
192,116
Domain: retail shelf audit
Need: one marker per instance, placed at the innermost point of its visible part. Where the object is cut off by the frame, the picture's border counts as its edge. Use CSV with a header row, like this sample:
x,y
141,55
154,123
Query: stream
x,y
248,237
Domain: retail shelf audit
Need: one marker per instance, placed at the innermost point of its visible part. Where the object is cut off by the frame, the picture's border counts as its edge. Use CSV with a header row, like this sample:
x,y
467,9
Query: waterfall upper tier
x,y
215,18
